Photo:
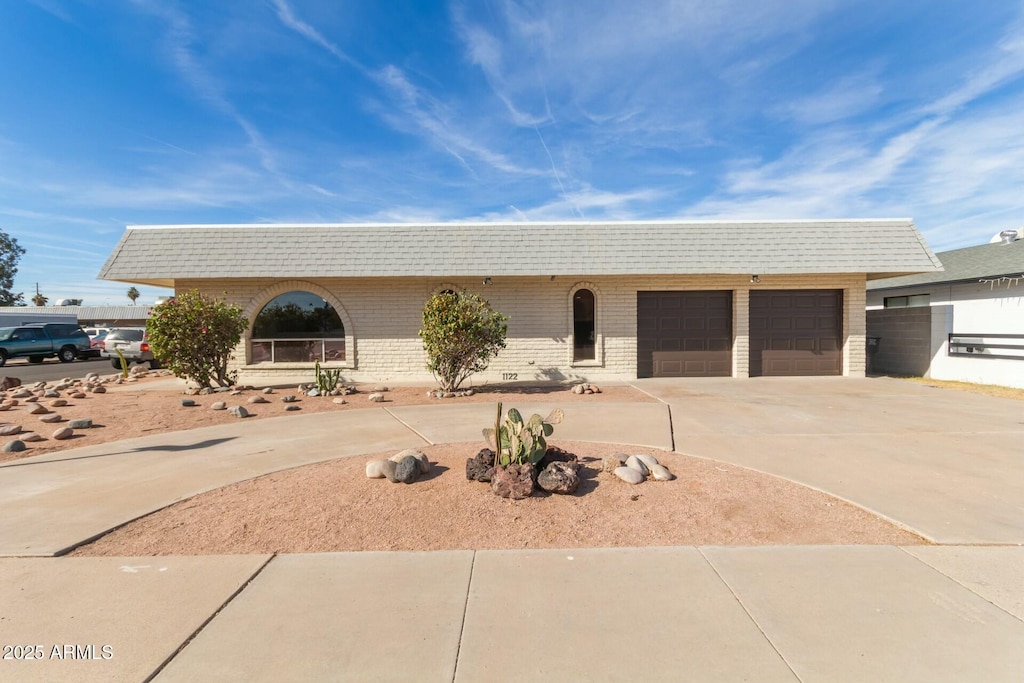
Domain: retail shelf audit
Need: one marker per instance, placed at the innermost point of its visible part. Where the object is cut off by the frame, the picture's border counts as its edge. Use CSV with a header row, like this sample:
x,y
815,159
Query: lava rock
x,y
481,466
559,477
555,454
420,456
408,469
513,481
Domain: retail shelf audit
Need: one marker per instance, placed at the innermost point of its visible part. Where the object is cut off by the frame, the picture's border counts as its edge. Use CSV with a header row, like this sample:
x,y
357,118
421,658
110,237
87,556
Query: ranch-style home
x,y
594,301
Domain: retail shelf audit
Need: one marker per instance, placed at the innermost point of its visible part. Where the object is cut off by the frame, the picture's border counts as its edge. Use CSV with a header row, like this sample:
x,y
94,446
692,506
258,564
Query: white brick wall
x,y
382,318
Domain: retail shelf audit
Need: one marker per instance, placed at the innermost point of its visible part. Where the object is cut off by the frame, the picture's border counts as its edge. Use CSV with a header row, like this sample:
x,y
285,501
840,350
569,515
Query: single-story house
x,y
965,323
595,301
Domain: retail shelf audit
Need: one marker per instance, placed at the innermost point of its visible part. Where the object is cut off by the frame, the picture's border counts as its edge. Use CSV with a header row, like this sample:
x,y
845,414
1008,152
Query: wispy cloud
x,y
179,41
427,114
847,98
289,19
54,8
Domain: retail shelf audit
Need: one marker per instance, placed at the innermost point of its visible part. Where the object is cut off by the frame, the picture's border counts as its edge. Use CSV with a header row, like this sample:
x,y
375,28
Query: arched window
x,y
583,329
298,327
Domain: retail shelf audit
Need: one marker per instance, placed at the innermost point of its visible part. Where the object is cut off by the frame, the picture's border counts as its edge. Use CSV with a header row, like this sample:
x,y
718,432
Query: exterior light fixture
x,y
755,279
488,281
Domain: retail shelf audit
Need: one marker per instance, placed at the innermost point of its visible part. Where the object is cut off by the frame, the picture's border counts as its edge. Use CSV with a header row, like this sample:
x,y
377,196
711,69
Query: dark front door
x,y
796,332
684,334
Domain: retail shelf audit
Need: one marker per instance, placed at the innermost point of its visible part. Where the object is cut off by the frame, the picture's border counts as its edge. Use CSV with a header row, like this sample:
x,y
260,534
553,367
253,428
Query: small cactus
x,y
519,441
326,380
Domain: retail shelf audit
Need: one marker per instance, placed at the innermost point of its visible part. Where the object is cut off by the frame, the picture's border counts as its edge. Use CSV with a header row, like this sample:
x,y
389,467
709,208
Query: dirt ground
x,y
332,506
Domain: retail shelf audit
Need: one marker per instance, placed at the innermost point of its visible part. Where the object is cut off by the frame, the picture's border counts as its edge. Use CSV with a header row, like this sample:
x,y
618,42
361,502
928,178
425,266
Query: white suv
x,y
132,342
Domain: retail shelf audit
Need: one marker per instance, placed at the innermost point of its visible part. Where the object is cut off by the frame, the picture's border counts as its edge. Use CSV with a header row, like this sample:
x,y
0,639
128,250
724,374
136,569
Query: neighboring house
x,y
591,301
87,316
965,324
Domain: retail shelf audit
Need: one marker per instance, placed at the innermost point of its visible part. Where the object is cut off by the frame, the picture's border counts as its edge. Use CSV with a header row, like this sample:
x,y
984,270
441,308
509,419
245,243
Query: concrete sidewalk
x,y
802,613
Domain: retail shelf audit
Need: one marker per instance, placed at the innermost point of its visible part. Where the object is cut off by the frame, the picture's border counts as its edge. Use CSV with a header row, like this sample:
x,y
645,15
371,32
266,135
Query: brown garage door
x,y
796,332
684,334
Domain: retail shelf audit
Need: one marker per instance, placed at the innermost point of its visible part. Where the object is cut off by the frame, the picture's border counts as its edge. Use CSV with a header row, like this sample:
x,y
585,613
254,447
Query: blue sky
x,y
161,111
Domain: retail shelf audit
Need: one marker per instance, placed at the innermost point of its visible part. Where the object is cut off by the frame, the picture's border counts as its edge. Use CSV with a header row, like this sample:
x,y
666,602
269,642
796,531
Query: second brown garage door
x,y
796,332
684,334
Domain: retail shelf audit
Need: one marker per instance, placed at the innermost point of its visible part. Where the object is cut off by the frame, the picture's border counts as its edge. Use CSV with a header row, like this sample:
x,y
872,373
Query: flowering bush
x,y
461,333
194,335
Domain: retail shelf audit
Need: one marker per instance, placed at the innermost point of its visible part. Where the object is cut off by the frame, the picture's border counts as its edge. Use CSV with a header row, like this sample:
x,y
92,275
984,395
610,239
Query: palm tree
x,y
133,294
39,299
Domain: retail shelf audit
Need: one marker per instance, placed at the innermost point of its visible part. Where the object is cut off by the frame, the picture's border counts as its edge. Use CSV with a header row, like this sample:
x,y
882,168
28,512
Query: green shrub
x,y
194,336
461,333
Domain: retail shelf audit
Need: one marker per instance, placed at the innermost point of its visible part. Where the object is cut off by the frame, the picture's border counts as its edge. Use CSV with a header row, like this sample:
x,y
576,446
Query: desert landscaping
x,y
335,506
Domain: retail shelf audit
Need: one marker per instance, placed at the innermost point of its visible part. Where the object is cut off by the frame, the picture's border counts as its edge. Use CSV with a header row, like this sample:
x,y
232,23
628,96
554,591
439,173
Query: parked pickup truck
x,y
43,340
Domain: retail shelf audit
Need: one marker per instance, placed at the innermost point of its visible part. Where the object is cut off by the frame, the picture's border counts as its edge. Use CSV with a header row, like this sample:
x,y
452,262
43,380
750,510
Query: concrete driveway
x,y
947,464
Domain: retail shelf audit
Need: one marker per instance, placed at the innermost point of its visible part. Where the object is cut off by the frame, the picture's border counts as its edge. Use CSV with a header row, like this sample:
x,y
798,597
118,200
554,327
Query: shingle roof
x,y
970,263
140,312
161,254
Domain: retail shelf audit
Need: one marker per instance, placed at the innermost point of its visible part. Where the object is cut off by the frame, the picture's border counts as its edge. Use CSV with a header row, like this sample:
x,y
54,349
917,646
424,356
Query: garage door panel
x,y
684,334
796,332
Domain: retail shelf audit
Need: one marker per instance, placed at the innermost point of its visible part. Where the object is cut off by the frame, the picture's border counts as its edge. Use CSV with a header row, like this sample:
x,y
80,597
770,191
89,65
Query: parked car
x,y
38,341
94,331
95,343
132,342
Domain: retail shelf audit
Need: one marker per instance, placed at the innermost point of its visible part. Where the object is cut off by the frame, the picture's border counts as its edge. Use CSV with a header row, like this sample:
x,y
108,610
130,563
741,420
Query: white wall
x,y
973,308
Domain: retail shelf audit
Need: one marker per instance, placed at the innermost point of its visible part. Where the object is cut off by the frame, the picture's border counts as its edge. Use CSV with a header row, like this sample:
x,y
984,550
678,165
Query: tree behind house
x,y
10,254
133,294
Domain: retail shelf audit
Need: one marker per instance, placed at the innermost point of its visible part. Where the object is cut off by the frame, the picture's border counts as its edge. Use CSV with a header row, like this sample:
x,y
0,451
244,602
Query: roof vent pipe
x,y
1007,236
